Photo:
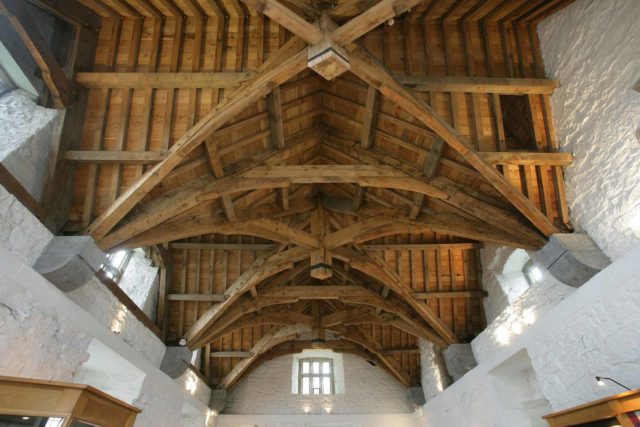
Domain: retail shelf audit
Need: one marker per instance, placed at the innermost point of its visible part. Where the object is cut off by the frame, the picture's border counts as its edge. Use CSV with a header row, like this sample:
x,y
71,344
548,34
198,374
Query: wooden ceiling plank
x,y
52,73
280,67
454,195
211,222
371,71
264,266
497,85
163,80
190,195
371,265
376,15
290,20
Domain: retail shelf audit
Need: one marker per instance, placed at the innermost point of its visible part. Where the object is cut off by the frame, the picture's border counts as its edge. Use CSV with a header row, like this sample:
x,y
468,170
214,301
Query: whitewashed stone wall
x,y
26,134
140,281
431,374
593,48
97,300
532,305
44,334
194,385
600,338
379,420
157,407
20,232
368,390
36,341
593,331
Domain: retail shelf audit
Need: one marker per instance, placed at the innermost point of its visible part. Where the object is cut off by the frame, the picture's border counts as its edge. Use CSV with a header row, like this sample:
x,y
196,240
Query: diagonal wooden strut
x,y
365,66
284,64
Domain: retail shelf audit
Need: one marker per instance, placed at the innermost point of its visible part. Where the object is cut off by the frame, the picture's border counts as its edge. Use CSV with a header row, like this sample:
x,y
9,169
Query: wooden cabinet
x,y
67,405
619,410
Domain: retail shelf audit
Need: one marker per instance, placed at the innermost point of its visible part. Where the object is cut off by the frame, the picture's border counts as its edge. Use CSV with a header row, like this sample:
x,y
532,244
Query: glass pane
x,y
29,420
305,367
117,258
316,391
305,385
316,382
316,367
326,385
326,369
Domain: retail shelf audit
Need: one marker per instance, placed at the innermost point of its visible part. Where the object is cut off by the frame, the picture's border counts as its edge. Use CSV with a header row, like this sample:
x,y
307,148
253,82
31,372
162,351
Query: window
x,y
315,376
117,263
532,273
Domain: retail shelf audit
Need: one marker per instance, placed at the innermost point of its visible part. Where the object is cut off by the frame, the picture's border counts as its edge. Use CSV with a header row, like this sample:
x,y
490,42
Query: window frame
x,y
320,375
527,271
115,272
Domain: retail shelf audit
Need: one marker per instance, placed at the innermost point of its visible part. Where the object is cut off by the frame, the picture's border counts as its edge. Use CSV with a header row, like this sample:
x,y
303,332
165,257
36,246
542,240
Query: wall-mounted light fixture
x,y
601,382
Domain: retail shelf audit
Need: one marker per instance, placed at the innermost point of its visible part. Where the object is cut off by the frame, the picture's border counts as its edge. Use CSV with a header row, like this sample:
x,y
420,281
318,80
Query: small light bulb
x,y
391,21
26,418
600,383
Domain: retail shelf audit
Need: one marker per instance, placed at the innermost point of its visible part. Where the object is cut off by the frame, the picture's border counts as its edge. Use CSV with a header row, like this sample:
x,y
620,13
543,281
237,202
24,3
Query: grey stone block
x,y
176,361
416,396
459,360
573,259
218,400
70,261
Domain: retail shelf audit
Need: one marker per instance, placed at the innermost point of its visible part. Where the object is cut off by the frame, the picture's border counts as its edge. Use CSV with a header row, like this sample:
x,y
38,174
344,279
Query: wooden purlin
x,y
444,276
273,71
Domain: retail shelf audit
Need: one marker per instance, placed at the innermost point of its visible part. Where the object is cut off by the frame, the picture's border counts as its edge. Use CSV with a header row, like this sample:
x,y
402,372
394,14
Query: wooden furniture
x,y
620,407
76,403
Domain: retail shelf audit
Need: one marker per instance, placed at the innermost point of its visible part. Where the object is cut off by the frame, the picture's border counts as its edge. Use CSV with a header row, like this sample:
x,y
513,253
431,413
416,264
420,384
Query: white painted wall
x,y
97,300
593,48
381,420
141,281
368,390
28,348
45,335
21,232
432,378
593,331
517,317
502,277
26,135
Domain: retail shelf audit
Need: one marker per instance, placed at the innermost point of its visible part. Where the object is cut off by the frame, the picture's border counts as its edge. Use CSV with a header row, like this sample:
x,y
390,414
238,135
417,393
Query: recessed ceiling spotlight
x,y
391,21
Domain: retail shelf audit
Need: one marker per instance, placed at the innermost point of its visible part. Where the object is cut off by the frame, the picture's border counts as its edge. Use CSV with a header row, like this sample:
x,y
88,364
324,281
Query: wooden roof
x,y
289,208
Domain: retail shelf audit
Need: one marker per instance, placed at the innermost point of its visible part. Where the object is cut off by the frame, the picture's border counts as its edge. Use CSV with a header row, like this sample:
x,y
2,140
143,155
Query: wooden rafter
x,y
381,172
281,66
27,30
159,80
371,71
190,195
373,266
264,266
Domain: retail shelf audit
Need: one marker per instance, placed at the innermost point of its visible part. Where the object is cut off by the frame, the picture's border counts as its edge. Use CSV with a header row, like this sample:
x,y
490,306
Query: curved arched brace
x,y
265,266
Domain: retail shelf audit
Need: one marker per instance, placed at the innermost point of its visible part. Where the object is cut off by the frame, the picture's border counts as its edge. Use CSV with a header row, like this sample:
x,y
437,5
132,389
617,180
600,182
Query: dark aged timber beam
x,y
504,86
287,62
202,80
365,66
